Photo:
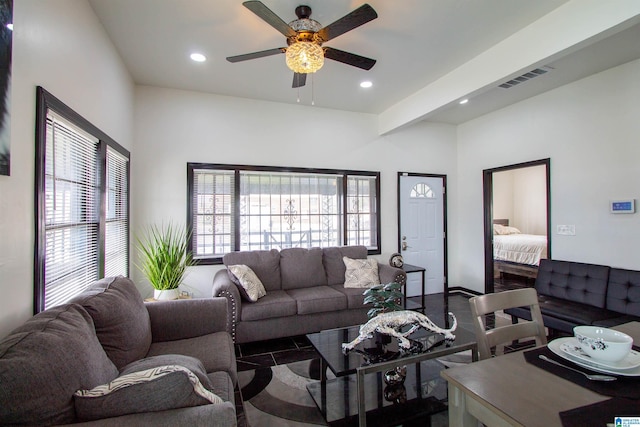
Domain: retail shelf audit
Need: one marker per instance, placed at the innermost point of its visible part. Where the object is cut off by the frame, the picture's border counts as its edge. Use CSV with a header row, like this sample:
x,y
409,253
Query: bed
x,y
515,252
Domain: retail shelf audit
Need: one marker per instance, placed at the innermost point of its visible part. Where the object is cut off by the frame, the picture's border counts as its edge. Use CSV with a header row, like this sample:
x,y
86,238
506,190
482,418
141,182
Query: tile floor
x,y
287,350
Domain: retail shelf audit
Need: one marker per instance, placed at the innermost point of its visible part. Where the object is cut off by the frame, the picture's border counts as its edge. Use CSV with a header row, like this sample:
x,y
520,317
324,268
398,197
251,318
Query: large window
x,y
82,204
233,208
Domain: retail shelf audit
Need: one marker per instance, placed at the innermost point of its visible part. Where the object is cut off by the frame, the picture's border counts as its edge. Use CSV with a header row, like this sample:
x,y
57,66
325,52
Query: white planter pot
x,y
166,295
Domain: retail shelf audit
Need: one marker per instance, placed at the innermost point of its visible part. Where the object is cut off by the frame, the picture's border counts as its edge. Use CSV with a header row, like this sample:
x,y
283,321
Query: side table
x,y
155,300
408,268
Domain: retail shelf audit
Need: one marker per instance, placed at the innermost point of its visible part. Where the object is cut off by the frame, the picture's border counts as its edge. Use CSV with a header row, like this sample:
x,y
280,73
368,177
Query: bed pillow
x,y
503,230
498,229
154,384
250,287
511,230
360,273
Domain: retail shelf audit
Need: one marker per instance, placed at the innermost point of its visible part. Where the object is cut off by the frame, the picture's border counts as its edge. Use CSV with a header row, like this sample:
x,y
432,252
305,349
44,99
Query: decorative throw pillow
x,y
360,273
148,385
250,286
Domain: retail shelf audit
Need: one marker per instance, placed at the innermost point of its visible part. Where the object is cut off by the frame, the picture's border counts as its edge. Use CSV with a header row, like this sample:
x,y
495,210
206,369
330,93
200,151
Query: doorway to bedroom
x,y
516,224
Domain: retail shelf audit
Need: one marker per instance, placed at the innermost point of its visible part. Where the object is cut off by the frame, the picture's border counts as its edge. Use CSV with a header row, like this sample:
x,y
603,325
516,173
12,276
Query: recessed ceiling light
x,y
10,26
198,57
464,101
366,84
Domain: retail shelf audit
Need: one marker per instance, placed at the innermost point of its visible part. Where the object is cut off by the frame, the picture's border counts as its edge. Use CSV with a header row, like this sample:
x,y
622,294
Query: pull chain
x,y
313,96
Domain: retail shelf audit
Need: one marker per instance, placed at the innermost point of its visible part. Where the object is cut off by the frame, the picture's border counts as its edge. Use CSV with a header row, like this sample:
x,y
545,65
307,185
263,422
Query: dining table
x,y
514,390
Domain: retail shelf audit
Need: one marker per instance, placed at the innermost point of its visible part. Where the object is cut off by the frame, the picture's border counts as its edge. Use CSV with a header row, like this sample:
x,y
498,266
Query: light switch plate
x,y
566,230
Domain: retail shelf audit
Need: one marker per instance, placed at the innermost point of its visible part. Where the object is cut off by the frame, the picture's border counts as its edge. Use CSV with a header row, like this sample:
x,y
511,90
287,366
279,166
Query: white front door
x,y
422,230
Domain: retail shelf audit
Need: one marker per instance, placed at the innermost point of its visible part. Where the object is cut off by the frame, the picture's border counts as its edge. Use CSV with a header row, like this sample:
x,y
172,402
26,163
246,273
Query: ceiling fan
x,y
305,36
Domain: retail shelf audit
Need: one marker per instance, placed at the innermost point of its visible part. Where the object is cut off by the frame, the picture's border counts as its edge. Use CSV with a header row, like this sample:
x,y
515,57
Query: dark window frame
x,y
45,101
237,169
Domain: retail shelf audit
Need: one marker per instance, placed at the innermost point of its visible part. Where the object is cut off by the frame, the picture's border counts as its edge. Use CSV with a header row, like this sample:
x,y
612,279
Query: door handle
x,y
405,246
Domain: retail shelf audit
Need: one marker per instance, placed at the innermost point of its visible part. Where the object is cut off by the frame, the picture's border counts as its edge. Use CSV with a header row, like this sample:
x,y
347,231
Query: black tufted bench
x,y
573,293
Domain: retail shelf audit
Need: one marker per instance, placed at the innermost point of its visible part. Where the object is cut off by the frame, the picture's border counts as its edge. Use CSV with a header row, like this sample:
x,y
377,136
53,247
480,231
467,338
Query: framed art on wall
x,y
6,29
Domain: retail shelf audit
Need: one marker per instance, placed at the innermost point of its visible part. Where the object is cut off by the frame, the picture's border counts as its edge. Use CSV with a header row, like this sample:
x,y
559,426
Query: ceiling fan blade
x,y
361,15
349,58
269,17
256,55
299,80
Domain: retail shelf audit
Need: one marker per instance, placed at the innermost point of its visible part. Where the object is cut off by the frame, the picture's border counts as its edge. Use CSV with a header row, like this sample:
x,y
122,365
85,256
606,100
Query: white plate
x,y
632,360
555,347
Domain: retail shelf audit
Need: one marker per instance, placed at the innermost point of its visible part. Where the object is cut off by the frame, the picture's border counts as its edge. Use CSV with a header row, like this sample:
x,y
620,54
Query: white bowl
x,y
603,344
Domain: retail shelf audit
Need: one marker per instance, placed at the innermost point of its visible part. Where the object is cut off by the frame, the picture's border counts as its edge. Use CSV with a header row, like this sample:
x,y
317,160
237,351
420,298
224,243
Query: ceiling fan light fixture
x,y
304,57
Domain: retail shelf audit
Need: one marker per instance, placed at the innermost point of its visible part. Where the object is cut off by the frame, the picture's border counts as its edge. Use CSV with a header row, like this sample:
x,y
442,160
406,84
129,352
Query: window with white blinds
x,y
232,208
82,194
117,215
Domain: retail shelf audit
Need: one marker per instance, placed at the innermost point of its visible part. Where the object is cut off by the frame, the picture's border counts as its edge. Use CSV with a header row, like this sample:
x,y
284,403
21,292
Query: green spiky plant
x,y
164,257
384,298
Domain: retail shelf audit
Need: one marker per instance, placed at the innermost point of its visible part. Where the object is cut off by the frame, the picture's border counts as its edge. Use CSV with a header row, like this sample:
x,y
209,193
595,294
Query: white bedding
x,y
520,248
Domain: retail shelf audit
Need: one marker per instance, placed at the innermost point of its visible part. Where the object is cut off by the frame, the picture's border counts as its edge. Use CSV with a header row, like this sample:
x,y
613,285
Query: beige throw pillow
x,y
361,273
249,281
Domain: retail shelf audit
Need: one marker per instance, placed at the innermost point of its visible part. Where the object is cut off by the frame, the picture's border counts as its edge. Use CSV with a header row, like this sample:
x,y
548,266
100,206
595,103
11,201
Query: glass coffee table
x,y
354,397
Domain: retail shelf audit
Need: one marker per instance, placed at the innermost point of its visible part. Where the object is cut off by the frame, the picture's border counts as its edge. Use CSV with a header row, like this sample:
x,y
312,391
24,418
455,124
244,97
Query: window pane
x,y
421,190
117,215
71,212
283,210
361,211
212,209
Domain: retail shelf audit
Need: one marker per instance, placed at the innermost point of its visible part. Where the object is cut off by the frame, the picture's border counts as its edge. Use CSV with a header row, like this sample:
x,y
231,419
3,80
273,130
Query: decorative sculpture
x,y
395,376
392,322
395,393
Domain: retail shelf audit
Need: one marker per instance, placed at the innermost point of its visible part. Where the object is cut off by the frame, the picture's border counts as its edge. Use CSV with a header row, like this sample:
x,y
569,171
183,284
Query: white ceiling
x,y
415,42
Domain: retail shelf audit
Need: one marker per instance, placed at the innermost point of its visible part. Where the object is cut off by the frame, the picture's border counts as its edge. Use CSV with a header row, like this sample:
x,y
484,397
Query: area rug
x,y
278,396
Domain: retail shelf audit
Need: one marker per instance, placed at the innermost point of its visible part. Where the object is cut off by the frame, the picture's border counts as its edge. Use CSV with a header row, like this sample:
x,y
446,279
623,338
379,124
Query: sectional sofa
x,y
109,359
305,292
573,293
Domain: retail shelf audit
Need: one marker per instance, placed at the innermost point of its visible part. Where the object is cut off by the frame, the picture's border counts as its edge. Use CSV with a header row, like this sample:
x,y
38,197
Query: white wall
x,y
520,195
61,46
503,195
530,200
174,127
590,131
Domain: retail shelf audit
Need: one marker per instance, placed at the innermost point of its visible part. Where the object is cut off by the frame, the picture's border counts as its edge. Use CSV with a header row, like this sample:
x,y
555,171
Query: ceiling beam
x,y
568,28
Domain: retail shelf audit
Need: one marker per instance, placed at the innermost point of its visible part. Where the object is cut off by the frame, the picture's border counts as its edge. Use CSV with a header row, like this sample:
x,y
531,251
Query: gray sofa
x,y
574,293
158,352
305,292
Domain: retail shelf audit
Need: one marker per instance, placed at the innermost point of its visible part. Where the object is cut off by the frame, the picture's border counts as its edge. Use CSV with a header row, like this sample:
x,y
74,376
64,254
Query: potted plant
x,y
384,298
164,259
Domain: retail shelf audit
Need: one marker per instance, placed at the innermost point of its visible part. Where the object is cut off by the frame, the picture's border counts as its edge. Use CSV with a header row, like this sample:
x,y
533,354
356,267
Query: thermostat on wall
x,y
623,206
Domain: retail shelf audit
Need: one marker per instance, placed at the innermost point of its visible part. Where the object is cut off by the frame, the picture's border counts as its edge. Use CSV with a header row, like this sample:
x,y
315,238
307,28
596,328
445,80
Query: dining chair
x,y
490,303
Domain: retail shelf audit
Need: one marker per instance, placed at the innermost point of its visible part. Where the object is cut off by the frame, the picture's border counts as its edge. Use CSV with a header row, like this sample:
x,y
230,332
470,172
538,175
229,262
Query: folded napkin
x,y
623,387
601,413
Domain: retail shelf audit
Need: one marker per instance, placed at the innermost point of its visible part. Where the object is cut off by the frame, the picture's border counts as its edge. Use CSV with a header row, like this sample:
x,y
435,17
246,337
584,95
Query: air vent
x,y
526,76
